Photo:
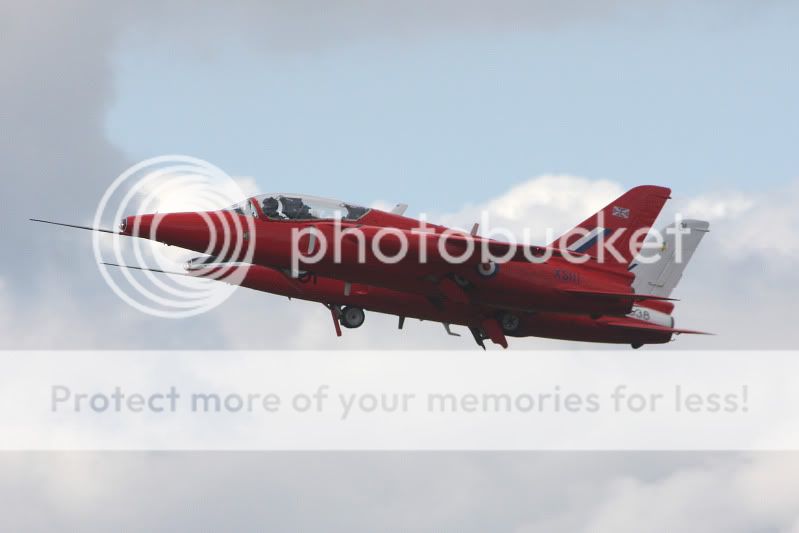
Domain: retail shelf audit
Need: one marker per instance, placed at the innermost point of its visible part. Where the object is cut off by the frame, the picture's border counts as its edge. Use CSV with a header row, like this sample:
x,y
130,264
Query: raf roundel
x,y
488,270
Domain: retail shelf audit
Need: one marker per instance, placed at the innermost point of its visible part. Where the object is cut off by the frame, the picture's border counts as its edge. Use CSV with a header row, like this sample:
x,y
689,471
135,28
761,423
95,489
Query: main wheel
x,y
352,317
509,322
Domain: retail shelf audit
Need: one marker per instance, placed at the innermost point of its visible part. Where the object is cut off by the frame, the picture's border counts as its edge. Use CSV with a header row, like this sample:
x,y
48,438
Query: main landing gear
x,y
352,317
509,322
495,329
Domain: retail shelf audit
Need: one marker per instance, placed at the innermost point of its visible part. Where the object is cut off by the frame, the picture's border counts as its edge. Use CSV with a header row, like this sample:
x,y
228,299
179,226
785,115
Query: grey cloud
x,y
308,25
529,492
56,159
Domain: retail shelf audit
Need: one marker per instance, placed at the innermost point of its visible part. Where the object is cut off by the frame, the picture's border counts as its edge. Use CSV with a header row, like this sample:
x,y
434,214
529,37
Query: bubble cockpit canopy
x,y
298,207
245,207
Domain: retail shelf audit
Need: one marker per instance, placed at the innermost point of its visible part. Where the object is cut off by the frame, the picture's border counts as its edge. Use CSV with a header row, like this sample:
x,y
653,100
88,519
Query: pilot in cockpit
x,y
295,208
270,208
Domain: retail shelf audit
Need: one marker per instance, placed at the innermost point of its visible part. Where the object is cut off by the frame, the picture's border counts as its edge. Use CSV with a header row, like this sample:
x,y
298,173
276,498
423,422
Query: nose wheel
x,y
352,317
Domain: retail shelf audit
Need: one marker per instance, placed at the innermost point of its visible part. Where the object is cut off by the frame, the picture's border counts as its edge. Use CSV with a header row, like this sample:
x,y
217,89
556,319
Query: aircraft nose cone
x,y
136,226
208,233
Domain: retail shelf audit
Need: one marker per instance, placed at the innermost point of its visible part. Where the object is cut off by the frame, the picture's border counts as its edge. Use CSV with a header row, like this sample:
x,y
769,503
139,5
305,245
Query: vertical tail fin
x,y
616,224
661,277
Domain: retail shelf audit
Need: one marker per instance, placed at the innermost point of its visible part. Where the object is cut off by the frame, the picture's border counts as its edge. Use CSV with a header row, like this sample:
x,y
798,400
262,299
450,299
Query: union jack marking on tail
x,y
621,212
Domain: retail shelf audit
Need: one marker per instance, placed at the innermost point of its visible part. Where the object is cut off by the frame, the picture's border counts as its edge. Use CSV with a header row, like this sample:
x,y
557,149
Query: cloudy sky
x,y
539,111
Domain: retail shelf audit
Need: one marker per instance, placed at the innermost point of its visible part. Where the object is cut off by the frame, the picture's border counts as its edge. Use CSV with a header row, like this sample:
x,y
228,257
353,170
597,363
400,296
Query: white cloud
x,y
172,192
718,206
759,224
528,209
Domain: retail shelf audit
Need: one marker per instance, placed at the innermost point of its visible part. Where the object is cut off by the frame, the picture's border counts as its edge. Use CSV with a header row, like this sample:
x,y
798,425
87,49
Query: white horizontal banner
x,y
560,400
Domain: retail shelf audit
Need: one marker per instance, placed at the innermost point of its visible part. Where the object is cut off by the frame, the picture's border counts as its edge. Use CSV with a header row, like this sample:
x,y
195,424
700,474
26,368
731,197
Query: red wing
x,y
619,295
637,325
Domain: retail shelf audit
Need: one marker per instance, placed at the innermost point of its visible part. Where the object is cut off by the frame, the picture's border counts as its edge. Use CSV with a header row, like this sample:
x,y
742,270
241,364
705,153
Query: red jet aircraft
x,y
351,258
